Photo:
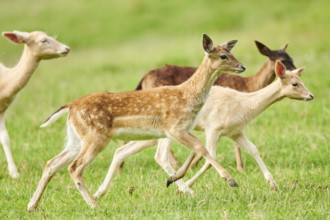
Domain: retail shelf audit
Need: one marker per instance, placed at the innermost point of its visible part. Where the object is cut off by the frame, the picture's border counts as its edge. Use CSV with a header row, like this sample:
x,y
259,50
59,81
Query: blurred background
x,y
109,37
114,43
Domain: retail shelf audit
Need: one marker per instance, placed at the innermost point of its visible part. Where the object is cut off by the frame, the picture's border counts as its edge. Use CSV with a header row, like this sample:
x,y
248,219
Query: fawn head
x,y
220,55
292,85
274,55
39,43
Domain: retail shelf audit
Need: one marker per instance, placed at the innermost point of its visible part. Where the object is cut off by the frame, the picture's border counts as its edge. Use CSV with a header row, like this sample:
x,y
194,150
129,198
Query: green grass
x,y
113,44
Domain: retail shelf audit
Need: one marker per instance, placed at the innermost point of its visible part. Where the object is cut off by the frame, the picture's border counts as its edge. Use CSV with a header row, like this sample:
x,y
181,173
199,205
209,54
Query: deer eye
x,y
44,40
294,84
223,57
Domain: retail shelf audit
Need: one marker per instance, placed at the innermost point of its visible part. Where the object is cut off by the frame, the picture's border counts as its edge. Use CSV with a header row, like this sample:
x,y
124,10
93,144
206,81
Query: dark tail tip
x,y
139,86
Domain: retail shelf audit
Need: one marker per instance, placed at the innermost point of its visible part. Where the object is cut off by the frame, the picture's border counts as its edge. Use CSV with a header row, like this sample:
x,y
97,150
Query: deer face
x,y
292,85
40,44
274,55
220,56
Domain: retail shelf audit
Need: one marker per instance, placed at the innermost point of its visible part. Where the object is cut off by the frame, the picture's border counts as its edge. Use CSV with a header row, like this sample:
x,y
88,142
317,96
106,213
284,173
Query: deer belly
x,y
137,128
136,134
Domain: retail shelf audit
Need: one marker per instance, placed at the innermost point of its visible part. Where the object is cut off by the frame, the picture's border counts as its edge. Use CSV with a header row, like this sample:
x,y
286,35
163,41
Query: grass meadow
x,y
113,44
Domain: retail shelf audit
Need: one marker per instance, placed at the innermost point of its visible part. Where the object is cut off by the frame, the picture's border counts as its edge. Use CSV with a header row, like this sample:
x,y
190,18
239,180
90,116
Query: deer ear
x,y
16,37
207,43
229,44
299,71
263,49
285,47
280,69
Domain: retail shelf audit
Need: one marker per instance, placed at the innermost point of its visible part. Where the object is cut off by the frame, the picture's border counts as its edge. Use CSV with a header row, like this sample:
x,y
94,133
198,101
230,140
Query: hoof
x,y
240,169
97,195
272,183
93,204
31,208
13,173
232,183
14,176
274,187
186,191
169,181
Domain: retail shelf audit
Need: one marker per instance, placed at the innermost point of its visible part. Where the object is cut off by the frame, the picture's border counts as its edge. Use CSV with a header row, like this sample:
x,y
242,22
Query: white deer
x,y
37,46
161,112
231,122
225,113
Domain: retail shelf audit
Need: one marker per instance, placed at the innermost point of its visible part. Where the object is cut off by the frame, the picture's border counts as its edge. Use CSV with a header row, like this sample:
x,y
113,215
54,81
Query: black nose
x,y
311,96
65,51
242,67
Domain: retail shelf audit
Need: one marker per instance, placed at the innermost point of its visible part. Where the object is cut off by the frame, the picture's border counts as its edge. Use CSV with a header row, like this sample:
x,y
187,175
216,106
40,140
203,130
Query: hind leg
x,y
70,151
51,169
245,143
92,145
239,160
125,151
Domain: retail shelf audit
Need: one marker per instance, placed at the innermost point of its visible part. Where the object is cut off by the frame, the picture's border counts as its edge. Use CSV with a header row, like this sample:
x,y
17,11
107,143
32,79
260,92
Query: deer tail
x,y
55,116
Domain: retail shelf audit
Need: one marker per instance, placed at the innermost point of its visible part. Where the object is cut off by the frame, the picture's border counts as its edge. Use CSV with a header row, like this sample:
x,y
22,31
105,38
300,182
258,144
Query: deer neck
x,y
198,86
22,72
257,102
264,76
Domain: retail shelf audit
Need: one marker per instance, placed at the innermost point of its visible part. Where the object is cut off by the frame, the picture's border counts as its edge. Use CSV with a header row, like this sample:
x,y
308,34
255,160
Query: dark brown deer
x,y
175,75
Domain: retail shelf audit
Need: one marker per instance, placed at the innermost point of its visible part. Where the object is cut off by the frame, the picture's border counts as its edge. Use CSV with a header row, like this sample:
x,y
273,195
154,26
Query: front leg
x,y
123,152
212,139
162,158
4,138
245,143
196,146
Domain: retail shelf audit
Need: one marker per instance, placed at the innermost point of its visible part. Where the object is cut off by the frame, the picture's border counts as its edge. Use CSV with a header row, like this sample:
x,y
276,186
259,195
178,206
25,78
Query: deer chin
x,y
310,98
239,71
236,70
64,52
